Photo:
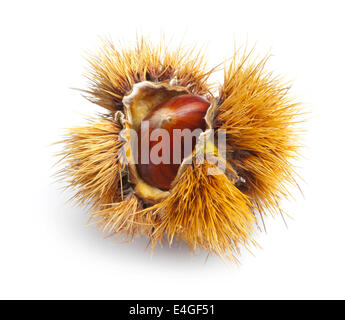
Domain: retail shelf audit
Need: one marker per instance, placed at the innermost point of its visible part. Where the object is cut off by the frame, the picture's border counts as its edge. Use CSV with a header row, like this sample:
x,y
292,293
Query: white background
x,y
45,249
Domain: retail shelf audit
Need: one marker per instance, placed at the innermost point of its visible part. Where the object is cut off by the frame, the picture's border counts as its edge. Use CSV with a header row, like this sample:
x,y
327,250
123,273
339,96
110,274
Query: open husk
x,y
216,212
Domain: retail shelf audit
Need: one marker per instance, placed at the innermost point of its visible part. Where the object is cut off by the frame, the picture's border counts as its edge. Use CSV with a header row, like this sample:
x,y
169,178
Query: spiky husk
x,y
91,163
113,72
125,218
214,212
207,211
261,129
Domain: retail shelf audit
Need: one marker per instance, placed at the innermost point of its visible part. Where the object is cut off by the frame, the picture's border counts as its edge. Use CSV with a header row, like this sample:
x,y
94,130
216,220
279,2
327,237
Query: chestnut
x,y
181,112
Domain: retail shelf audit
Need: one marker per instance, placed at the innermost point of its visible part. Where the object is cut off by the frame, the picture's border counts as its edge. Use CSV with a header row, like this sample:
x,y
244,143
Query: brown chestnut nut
x,y
181,112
